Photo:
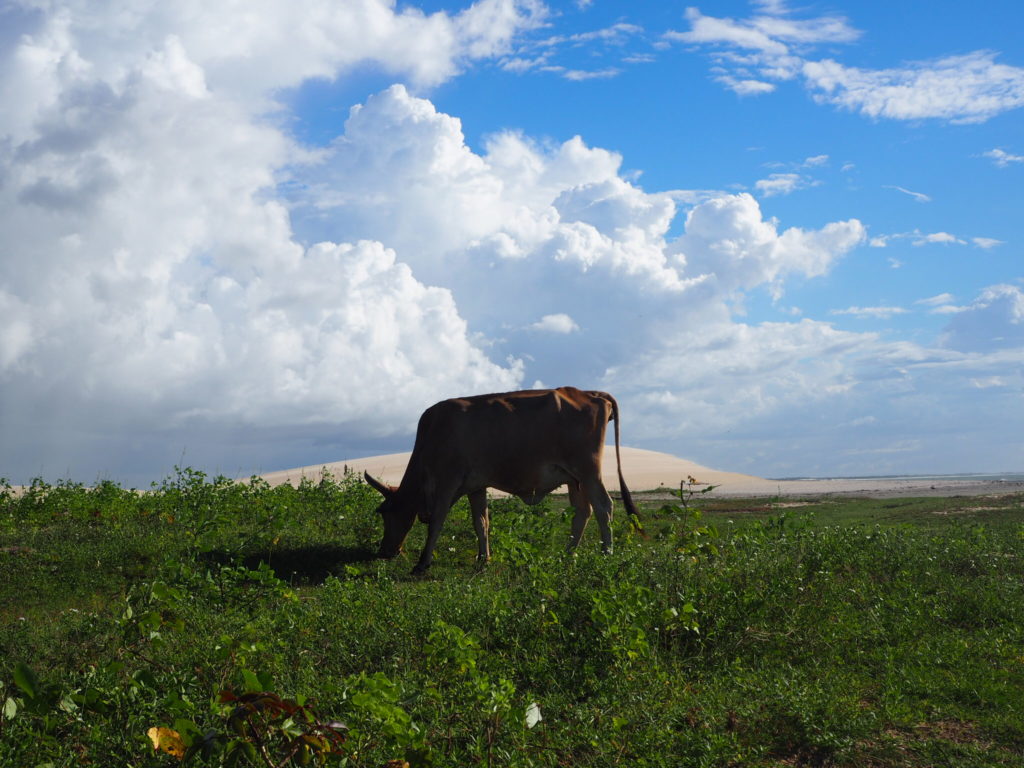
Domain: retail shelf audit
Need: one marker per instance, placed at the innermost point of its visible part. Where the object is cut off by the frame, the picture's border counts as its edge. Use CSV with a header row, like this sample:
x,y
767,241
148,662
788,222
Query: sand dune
x,y
650,470
644,470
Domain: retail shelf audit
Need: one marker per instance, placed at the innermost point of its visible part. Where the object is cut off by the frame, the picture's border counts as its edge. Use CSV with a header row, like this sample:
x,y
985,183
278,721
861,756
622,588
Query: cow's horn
x,y
385,490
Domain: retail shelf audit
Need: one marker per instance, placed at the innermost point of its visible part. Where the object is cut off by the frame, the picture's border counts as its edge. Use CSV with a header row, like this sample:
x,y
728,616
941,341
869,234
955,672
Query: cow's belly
x,y
533,487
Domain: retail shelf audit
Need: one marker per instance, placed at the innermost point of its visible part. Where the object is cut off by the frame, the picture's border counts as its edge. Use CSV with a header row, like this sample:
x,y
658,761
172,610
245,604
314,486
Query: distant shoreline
x,y
881,487
967,476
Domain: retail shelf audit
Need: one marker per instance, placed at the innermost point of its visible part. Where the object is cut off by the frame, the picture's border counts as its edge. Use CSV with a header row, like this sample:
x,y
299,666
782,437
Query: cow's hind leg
x,y
602,504
579,501
482,524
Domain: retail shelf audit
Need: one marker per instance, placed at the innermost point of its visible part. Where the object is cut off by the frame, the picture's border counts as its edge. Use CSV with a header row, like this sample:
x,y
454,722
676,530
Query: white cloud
x,y
545,55
919,239
783,184
993,321
587,74
825,29
616,33
919,197
962,89
161,278
767,34
969,88
727,384
817,160
1002,158
746,86
933,301
989,382
986,242
152,283
863,421
184,274
943,238
727,239
773,7
877,313
557,323
744,371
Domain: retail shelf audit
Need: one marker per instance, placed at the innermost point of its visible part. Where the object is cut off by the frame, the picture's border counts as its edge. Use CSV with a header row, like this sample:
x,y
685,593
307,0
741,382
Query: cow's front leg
x,y
482,524
437,518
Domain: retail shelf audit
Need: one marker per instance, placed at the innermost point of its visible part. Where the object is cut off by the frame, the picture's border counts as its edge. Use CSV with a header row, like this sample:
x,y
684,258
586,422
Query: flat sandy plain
x,y
651,471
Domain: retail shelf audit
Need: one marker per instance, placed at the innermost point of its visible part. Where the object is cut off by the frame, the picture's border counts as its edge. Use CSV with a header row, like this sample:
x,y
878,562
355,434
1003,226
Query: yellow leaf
x,y
167,740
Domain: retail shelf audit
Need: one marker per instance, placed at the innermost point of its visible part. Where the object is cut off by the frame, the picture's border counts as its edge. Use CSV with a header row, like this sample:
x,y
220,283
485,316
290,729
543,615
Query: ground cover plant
x,y
210,622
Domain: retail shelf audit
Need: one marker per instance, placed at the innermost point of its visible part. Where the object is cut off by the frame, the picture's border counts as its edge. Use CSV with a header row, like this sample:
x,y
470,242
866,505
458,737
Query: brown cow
x,y
524,443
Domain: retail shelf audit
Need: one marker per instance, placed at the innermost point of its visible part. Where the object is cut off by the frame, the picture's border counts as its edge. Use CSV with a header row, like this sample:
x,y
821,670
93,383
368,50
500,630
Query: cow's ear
x,y
385,490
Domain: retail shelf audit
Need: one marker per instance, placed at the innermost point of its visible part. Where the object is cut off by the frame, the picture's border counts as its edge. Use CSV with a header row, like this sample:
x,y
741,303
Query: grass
x,y
849,632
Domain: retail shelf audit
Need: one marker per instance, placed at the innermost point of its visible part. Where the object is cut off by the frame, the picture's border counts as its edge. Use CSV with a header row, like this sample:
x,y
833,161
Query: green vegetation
x,y
238,624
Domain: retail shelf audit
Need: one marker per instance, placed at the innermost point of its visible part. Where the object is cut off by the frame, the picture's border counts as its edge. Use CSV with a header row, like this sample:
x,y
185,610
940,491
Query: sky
x,y
242,237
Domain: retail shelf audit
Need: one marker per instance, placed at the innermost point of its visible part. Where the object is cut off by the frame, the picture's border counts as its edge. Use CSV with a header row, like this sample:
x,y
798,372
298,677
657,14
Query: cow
x,y
524,443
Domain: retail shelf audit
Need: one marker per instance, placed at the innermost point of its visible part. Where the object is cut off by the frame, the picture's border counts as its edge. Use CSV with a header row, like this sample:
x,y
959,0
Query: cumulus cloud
x,y
152,276
160,273
184,269
728,239
993,321
727,384
526,225
557,323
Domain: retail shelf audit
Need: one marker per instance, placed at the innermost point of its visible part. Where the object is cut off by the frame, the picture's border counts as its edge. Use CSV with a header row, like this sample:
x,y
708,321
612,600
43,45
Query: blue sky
x,y
785,235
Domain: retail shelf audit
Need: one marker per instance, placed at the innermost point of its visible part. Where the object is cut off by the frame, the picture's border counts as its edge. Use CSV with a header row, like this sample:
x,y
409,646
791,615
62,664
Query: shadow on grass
x,y
307,566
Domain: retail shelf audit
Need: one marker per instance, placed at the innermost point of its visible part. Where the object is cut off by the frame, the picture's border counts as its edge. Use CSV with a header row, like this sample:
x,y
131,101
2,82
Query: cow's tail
x,y
627,499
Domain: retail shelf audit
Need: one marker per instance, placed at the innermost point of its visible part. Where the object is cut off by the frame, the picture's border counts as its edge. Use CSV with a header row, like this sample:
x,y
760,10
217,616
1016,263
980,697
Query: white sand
x,y
651,470
644,470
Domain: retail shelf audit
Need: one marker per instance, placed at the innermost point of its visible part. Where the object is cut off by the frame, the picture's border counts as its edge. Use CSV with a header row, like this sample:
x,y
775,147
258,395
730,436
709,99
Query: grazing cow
x,y
524,443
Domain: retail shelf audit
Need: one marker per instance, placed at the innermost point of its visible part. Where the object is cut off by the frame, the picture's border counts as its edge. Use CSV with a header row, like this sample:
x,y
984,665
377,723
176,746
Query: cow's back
x,y
510,440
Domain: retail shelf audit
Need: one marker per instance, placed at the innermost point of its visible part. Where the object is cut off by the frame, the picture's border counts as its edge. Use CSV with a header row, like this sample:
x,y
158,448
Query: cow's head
x,y
397,520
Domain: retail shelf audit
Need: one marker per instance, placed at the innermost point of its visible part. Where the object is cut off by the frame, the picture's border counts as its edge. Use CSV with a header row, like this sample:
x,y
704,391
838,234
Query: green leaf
x,y
10,708
251,682
26,679
266,681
